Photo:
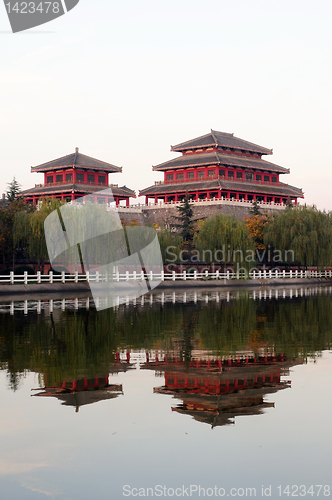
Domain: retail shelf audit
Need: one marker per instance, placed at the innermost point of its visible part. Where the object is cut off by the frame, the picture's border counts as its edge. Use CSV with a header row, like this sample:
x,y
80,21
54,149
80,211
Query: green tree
x,y
28,230
13,191
305,232
225,239
186,221
170,243
255,208
7,218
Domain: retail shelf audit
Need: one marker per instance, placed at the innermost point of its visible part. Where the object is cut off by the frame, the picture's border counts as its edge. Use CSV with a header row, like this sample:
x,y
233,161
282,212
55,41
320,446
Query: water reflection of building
x,y
85,391
216,391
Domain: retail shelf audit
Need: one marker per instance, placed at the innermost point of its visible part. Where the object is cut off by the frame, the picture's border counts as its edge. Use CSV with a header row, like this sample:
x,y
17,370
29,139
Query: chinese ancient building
x,y
74,176
220,166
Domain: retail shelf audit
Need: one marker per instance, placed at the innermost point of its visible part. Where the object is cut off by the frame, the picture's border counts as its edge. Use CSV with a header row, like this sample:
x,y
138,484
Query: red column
x,y
176,197
146,200
196,195
156,200
127,202
116,201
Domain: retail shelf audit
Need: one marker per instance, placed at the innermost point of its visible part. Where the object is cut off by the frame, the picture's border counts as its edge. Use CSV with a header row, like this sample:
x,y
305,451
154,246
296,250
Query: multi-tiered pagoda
x,y
219,165
74,176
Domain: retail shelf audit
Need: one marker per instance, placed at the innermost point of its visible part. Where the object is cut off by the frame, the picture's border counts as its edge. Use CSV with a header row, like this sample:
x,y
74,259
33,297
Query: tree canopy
x,y
225,239
186,221
13,191
304,230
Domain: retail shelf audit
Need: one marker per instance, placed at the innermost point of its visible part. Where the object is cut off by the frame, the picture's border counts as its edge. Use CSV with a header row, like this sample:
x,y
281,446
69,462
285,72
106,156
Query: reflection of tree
x,y
298,328
76,344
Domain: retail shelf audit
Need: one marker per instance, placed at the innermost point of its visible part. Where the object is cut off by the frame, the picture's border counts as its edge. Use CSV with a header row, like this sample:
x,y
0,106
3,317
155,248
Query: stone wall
x,y
166,215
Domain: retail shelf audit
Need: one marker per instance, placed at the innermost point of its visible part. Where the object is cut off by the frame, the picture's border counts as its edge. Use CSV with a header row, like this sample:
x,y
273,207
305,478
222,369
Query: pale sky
x,y
124,80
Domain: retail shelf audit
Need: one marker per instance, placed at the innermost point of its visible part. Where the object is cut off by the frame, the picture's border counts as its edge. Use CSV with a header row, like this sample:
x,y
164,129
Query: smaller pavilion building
x,y
74,176
218,166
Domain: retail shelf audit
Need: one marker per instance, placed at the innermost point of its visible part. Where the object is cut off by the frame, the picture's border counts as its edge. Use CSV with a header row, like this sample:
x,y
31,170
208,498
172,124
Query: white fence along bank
x,y
97,277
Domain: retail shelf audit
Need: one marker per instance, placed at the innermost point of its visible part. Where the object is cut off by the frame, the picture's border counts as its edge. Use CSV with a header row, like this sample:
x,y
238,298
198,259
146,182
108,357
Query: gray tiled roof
x,y
280,188
181,187
76,188
77,160
221,139
216,158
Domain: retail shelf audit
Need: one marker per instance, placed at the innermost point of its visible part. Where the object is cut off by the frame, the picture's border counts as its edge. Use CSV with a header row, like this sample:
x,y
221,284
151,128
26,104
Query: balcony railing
x,y
63,183
214,177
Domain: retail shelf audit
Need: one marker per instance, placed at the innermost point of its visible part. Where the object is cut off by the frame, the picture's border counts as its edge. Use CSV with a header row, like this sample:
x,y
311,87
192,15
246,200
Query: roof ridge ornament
x,y
76,154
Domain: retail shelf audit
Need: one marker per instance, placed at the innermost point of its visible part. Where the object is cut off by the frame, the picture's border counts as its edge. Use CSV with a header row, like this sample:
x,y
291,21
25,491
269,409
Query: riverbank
x,y
83,289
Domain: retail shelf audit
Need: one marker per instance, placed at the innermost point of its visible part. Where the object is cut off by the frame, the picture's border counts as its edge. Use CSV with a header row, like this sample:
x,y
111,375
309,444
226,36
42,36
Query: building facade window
x,y
211,173
221,173
200,174
230,174
274,179
101,179
239,175
80,177
69,177
59,178
169,177
91,178
266,178
179,176
190,175
49,179
258,177
249,176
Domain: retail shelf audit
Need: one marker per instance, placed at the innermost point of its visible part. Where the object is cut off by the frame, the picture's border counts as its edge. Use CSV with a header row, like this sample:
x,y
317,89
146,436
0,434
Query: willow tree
x,y
170,245
225,239
28,230
8,213
303,234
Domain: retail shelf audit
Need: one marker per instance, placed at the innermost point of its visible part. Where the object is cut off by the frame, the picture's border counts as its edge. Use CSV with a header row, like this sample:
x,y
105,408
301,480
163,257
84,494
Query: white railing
x,y
201,201
186,275
222,201
50,305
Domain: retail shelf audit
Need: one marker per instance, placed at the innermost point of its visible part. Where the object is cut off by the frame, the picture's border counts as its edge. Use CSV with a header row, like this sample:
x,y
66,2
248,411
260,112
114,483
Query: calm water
x,y
179,395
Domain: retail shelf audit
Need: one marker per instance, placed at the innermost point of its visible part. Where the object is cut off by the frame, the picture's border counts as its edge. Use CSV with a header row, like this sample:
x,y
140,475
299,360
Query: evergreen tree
x,y
255,208
14,190
186,220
